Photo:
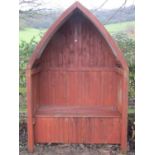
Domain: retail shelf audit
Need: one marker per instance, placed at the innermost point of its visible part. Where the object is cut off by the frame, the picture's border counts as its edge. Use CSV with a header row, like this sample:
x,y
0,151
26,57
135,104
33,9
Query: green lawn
x,y
119,27
28,33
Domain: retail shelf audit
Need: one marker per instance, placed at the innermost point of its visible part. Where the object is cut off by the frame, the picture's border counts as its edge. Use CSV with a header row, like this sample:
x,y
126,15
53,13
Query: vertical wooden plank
x,y
72,88
90,50
97,134
114,100
53,87
43,84
93,131
64,130
124,112
79,130
111,90
29,111
119,93
50,88
117,128
102,88
51,125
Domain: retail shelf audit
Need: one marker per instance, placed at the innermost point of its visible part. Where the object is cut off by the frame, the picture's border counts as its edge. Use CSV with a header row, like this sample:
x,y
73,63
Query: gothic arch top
x,y
61,20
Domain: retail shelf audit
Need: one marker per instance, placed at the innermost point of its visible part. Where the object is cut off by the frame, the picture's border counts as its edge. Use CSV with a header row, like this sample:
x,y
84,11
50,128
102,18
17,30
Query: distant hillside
x,y
43,19
126,27
125,14
40,20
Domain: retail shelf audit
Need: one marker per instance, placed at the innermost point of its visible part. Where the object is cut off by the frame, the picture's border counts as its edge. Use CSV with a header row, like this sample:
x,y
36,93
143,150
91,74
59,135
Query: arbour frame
x,y
33,68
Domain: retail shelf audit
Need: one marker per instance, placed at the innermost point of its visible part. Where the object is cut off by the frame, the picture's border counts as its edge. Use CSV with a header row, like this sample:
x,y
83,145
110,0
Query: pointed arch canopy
x,y
61,20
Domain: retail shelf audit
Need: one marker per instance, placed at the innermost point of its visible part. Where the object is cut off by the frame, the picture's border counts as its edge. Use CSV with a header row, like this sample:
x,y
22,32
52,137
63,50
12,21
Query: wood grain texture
x,y
77,84
77,111
78,88
124,121
30,109
77,44
77,130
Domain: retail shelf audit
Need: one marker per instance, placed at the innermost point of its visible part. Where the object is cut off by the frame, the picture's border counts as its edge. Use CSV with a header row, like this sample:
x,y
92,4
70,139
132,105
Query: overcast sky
x,y
90,4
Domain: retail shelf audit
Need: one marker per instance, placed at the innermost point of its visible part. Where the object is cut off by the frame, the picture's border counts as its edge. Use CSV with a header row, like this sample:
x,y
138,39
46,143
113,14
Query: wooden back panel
x,y
78,67
77,44
78,87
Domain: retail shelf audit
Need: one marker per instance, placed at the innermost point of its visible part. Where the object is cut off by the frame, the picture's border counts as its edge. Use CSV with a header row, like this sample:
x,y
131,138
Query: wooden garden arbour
x,y
77,89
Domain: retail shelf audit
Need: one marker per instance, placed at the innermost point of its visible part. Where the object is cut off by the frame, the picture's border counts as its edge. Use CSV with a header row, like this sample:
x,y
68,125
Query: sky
x,y
90,4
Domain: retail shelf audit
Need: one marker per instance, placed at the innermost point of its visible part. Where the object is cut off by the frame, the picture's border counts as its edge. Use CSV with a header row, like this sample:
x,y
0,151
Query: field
x,y
118,27
28,33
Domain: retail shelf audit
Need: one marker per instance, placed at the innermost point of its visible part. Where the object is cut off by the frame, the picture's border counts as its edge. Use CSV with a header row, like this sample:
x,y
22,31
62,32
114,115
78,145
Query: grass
x,y
28,33
119,27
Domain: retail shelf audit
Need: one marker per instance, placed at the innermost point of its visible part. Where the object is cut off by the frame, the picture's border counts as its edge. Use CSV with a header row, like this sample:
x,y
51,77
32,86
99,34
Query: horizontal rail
x,y
105,69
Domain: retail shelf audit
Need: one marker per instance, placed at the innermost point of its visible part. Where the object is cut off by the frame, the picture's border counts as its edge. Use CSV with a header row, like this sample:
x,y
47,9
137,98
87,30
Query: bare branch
x,y
122,6
29,1
31,4
100,6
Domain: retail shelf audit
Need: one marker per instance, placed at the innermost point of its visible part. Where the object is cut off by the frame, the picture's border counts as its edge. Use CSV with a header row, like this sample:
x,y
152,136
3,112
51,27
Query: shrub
x,y
127,44
25,50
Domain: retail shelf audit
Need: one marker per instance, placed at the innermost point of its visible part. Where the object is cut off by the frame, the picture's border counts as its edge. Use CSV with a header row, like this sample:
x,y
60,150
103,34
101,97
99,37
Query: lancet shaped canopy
x,y
61,20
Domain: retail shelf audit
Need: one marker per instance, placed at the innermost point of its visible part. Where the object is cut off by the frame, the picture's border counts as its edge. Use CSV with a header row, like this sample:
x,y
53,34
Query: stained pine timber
x,y
77,88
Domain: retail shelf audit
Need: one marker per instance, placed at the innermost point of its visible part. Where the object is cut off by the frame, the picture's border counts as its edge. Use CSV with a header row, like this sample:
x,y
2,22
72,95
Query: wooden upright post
x,y
29,111
124,120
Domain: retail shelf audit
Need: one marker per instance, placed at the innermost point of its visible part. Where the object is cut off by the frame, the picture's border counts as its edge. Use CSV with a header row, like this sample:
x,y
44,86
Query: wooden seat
x,y
77,111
